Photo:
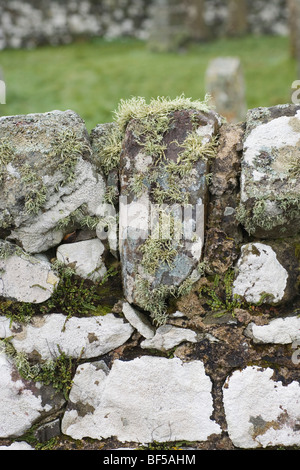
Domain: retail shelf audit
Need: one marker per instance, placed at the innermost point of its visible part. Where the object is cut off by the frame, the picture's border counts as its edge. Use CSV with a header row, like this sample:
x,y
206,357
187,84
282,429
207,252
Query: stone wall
x,y
149,279
36,22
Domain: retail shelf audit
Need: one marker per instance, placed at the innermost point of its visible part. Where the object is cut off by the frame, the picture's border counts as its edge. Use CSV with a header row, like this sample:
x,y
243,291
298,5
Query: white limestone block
x,y
144,400
261,412
85,337
26,279
259,273
169,336
86,256
278,331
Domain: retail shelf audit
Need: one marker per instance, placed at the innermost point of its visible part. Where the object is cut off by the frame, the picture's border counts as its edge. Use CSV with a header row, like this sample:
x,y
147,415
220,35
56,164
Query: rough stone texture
x,y
233,380
270,172
237,21
47,335
136,214
22,403
196,24
138,320
251,423
150,405
85,258
224,186
25,278
262,277
225,83
278,331
168,336
46,177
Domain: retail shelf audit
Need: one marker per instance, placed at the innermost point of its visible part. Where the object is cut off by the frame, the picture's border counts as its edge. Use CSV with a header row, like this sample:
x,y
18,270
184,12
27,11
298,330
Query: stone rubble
x,y
54,186
169,336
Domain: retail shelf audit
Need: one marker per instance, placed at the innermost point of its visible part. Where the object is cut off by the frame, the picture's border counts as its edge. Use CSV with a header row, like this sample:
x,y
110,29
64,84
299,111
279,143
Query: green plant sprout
x,y
220,298
6,156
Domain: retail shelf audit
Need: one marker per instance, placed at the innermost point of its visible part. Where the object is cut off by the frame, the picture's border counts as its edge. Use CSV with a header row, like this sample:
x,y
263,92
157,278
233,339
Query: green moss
x,y
297,250
219,295
109,150
175,177
137,108
289,209
20,312
153,300
151,122
111,194
66,149
166,181
78,218
72,296
6,156
58,372
162,245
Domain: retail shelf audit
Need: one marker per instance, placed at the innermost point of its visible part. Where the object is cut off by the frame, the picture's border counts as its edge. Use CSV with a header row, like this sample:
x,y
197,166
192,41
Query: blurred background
x,y
86,55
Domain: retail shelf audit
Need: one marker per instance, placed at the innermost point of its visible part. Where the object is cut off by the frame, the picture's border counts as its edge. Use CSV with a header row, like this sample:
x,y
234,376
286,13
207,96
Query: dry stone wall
x,y
35,22
149,279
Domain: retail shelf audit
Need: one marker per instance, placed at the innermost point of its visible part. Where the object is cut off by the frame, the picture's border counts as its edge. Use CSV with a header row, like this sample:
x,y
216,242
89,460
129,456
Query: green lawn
x,y
91,77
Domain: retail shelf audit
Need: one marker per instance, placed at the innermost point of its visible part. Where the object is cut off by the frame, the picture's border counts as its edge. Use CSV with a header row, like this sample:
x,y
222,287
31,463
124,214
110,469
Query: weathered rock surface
x,y
22,403
85,257
46,175
224,181
261,277
148,409
138,320
278,331
168,336
233,379
25,278
270,180
17,446
88,337
163,215
251,423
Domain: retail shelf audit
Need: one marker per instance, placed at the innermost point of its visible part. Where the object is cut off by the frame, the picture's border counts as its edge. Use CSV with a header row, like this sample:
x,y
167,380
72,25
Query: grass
x,y
92,77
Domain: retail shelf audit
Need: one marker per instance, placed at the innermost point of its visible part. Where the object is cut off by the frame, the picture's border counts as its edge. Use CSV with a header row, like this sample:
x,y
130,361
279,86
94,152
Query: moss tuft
x,y
109,151
58,372
154,300
162,245
6,156
137,108
66,149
